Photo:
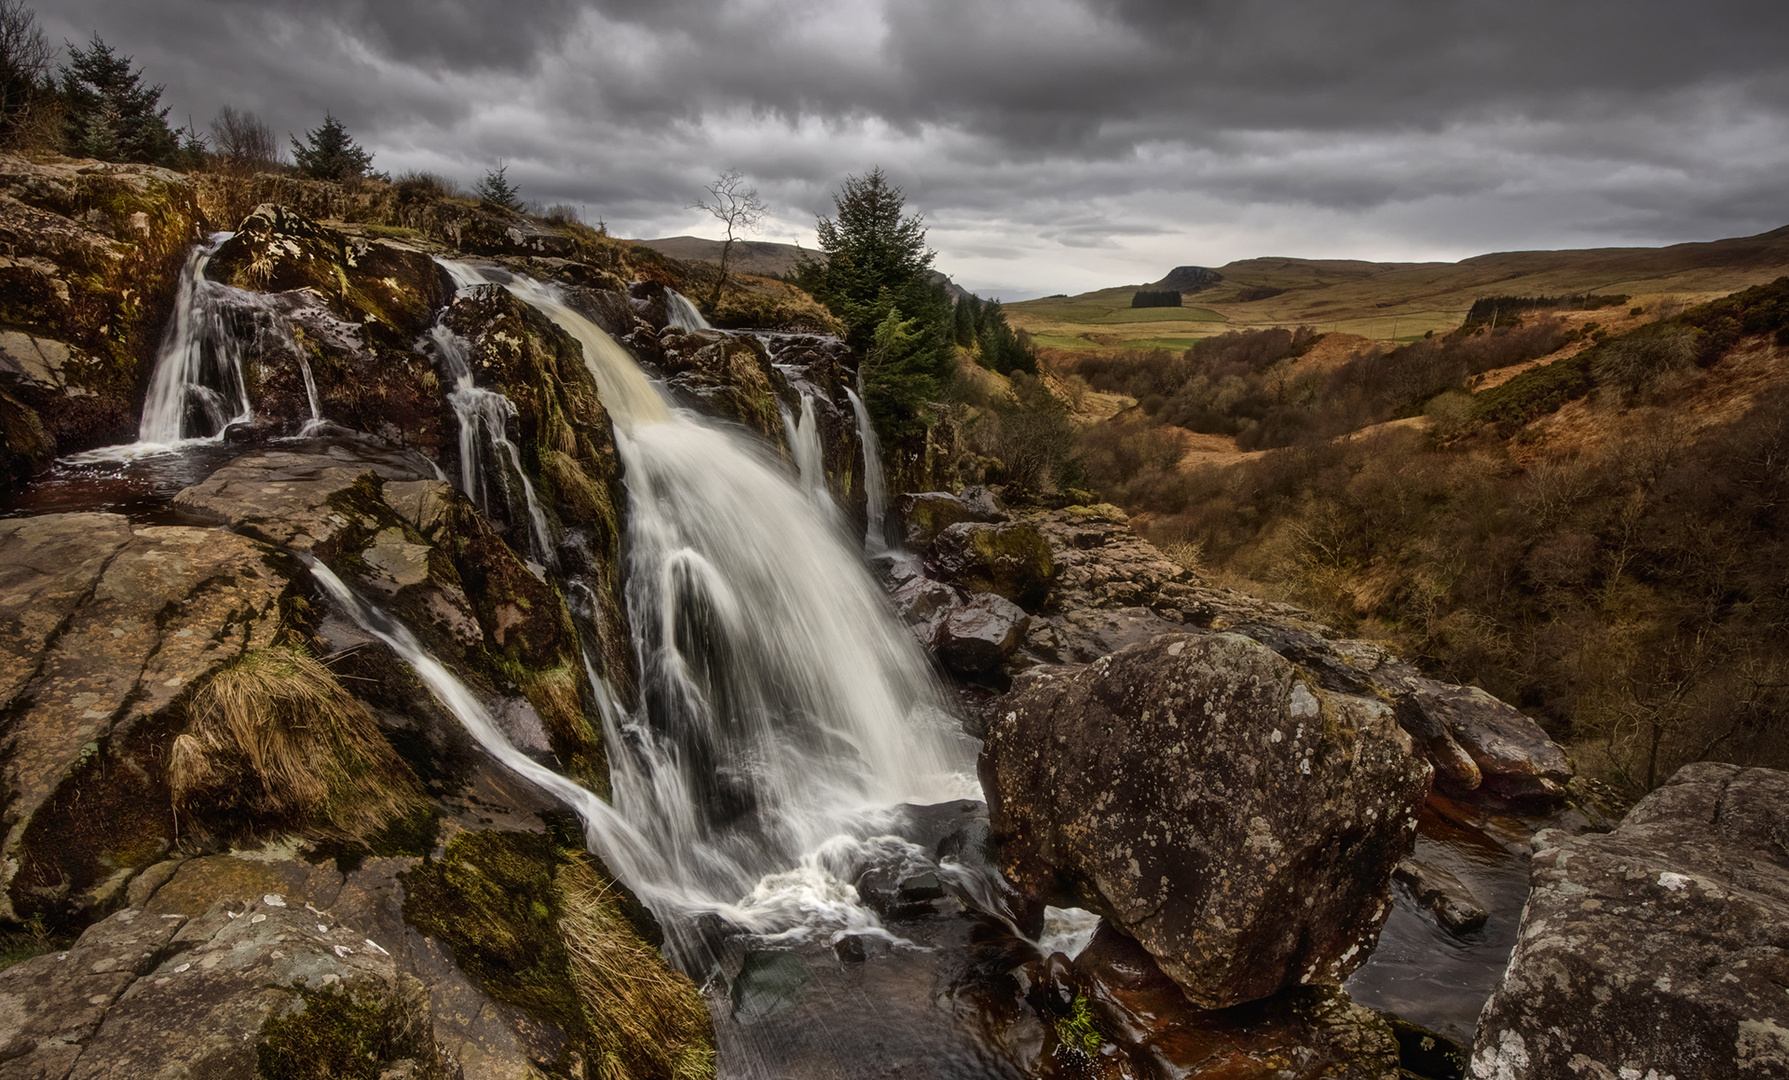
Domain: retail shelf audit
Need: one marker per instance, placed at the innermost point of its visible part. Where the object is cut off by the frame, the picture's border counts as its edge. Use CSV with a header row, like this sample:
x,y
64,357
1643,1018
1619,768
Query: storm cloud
x,y
1054,145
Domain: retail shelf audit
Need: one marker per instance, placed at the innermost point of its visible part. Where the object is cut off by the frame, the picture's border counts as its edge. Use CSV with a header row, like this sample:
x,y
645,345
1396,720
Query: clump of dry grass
x,y
276,735
649,1019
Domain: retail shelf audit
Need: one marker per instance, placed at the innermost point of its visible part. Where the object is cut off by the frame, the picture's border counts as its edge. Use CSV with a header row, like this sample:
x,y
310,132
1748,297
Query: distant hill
x,y
1393,300
749,256
756,257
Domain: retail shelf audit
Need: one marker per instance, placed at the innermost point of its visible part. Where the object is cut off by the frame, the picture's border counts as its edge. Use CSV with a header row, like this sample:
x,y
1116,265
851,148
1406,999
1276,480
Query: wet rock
x,y
726,376
1484,742
1442,894
1011,560
1660,949
976,637
1307,1032
103,629
923,605
1239,822
921,517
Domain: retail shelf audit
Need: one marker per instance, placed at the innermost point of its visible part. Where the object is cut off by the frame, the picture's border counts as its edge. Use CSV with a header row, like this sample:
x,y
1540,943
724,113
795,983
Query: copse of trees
x,y
1504,309
25,81
980,326
876,278
1156,298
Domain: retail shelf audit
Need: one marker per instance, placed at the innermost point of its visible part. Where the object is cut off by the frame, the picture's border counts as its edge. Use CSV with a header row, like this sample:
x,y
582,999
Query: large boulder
x,y
921,516
1660,949
979,635
1238,821
1478,742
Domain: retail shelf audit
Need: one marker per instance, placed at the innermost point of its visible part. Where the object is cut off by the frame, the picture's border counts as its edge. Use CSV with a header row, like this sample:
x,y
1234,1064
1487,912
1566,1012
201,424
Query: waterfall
x,y
310,392
681,313
804,443
783,712
484,417
875,534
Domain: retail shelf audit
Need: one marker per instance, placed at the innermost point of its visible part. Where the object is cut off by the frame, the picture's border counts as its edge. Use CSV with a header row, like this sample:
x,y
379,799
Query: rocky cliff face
x,y
93,252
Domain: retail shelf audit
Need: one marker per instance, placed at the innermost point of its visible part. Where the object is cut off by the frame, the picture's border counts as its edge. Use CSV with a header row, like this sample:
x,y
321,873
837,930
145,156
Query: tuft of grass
x,y
274,734
649,1019
345,1034
32,939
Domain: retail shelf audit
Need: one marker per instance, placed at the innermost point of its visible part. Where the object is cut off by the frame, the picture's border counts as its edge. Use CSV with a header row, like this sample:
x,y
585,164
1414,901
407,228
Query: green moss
x,y
338,1034
1079,1030
490,899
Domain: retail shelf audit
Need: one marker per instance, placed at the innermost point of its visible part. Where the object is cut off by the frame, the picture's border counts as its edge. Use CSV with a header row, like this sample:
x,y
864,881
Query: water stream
x,y
804,442
681,313
875,534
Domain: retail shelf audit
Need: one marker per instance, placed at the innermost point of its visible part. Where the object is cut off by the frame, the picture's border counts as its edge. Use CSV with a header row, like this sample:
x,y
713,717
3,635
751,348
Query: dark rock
x,y
1442,895
924,605
1660,949
726,376
1306,1033
977,637
1011,560
1508,753
1239,822
919,518
1428,1054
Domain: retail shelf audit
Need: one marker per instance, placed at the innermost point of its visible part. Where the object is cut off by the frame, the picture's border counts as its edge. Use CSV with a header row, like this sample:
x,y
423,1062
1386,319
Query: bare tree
x,y
243,142
738,208
24,68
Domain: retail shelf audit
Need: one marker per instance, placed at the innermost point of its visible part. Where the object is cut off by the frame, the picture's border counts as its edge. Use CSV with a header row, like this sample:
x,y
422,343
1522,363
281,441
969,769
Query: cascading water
x,y
875,533
484,417
810,463
681,312
783,712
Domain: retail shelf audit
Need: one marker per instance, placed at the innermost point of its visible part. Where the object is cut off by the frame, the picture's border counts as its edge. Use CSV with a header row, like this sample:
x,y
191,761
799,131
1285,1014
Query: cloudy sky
x,y
1053,145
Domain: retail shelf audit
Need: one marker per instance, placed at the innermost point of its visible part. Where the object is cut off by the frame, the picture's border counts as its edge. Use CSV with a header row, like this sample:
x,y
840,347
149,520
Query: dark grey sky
x,y
1054,146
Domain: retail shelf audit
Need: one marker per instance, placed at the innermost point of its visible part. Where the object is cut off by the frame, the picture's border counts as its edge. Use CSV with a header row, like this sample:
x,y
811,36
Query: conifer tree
x,y
111,114
494,188
329,153
877,267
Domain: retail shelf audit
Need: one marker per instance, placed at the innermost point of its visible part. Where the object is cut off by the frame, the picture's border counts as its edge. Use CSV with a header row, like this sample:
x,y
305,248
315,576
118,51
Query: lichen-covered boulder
x,y
1238,821
1659,949
1011,560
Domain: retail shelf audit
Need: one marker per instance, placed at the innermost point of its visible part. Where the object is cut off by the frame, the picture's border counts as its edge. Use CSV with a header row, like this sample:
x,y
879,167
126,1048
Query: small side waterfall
x,y
200,360
875,534
682,313
484,417
607,833
810,463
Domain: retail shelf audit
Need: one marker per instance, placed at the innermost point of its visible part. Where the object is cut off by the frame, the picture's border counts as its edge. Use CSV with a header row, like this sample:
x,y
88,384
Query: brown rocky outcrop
x,y
1659,949
1236,819
93,253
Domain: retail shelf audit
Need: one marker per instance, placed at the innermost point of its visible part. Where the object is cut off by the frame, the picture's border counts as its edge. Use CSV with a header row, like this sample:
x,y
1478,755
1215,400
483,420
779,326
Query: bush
x,y
1633,362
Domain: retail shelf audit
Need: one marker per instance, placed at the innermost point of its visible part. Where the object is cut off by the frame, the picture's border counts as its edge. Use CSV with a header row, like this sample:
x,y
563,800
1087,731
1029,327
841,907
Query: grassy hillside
x,y
1583,512
749,256
1402,301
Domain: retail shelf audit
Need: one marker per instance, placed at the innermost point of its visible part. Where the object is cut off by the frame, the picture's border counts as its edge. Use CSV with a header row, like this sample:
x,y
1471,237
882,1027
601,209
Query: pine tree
x,y
329,153
878,267
495,189
111,114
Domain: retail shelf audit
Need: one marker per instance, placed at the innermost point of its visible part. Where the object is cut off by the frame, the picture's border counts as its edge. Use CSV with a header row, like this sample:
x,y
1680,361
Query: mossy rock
x,y
541,928
354,1032
1011,560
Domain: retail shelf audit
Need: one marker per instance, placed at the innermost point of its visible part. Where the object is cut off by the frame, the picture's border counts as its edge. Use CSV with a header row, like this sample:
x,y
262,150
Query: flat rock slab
x,y
101,626
1658,950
